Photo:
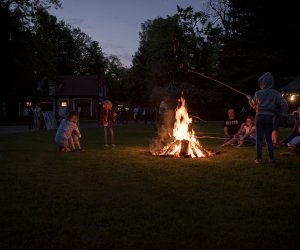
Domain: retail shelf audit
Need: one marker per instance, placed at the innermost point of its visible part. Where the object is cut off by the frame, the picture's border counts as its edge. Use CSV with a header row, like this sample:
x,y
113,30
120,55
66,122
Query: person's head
x,y
250,121
107,104
266,81
72,116
231,114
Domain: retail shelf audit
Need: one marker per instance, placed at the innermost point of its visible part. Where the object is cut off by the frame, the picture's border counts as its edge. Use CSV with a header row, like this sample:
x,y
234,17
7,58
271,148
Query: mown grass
x,y
123,198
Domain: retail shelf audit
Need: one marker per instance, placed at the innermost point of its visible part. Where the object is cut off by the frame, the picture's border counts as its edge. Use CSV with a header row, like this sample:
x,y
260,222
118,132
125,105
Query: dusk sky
x,y
116,24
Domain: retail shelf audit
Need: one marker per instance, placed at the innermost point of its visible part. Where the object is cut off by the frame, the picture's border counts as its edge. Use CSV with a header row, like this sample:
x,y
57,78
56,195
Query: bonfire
x,y
183,143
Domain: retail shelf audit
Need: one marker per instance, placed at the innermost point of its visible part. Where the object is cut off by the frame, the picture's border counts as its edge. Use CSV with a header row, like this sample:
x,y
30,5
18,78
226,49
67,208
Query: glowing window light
x,y
28,104
63,104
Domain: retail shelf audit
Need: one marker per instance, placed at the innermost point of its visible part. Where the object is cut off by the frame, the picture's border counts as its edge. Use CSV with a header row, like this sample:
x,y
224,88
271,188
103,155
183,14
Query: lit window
x,y
63,104
28,104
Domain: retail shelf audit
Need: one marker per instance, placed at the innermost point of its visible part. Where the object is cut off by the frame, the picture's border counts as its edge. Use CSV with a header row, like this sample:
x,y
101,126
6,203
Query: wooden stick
x,y
222,83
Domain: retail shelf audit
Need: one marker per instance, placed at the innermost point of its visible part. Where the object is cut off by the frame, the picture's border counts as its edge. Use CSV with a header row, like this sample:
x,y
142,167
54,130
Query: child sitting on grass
x,y
67,127
248,133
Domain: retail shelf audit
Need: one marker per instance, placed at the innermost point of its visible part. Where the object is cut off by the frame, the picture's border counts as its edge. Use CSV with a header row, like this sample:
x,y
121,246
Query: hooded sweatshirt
x,y
267,99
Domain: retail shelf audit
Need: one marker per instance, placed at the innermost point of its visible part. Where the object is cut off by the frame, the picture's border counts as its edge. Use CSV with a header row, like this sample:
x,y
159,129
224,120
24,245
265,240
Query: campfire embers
x,y
183,142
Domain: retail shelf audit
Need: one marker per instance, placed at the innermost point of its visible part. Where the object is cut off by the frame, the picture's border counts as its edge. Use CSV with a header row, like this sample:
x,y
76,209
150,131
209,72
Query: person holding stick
x,y
265,102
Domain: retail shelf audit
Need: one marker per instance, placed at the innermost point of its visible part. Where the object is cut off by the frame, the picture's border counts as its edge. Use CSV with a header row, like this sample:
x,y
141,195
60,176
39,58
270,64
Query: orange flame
x,y
183,133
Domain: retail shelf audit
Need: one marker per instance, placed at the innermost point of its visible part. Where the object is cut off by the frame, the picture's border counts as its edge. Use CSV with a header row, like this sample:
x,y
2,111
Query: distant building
x,y
82,93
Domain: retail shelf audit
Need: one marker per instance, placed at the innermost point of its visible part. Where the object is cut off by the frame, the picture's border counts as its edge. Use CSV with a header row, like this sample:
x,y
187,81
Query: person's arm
x,y
226,130
241,130
252,131
77,132
252,101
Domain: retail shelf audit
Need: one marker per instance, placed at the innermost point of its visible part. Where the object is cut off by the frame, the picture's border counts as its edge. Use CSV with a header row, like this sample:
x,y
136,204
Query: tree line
x,y
232,40
35,45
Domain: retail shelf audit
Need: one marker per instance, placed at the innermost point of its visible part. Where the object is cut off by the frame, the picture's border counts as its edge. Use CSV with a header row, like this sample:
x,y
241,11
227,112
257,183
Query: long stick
x,y
209,137
222,83
196,117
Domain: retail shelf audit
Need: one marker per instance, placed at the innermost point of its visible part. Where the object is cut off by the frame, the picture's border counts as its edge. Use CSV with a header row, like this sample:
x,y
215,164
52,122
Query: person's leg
x,y
105,129
71,143
268,127
233,140
112,136
76,141
259,135
295,142
274,137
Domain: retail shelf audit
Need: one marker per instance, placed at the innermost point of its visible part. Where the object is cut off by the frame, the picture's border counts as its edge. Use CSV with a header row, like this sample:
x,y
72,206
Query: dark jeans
x,y
264,127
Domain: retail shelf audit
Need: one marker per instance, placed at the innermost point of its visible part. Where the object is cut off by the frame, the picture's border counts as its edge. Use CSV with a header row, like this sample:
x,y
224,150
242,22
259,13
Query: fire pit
x,y
183,140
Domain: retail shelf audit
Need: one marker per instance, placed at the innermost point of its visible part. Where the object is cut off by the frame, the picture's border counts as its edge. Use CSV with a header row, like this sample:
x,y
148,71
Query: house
x,y
82,93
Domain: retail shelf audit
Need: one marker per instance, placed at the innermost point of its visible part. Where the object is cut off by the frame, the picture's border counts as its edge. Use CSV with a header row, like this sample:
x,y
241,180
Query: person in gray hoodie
x,y
265,102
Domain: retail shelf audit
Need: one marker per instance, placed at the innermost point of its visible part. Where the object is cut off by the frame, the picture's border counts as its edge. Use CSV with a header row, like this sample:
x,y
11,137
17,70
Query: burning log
x,y
185,143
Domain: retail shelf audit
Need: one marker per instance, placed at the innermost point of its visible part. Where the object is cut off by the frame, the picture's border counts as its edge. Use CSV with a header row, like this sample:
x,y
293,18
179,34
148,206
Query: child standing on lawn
x,y
74,140
65,130
108,117
265,102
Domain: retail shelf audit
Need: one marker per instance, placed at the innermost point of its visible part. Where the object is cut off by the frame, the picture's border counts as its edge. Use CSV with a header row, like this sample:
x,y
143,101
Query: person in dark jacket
x,y
265,102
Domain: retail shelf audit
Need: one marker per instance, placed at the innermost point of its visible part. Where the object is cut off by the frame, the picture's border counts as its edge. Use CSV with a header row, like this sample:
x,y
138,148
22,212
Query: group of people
x,y
267,102
269,105
237,133
68,134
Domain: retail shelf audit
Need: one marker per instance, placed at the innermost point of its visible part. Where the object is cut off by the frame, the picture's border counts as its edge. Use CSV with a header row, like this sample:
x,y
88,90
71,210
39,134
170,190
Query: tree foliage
x,y
34,45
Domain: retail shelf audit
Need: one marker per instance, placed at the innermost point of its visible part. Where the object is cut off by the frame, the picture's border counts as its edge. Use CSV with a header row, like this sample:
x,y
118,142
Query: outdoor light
x,y
63,104
28,104
292,98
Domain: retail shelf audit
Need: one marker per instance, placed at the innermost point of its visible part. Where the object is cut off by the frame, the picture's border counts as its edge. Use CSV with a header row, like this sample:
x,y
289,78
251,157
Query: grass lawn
x,y
123,198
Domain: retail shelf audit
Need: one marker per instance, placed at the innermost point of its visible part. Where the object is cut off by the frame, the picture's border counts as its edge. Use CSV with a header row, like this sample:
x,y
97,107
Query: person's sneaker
x,y
80,150
106,145
113,145
258,161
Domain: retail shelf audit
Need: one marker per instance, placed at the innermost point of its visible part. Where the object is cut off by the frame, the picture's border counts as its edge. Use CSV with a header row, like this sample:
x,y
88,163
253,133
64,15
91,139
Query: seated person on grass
x,y
293,140
232,126
247,136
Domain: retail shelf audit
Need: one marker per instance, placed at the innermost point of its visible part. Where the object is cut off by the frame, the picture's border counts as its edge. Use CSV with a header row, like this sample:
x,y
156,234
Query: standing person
x,y
108,117
232,126
265,102
74,140
135,113
67,127
30,118
37,116
163,107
